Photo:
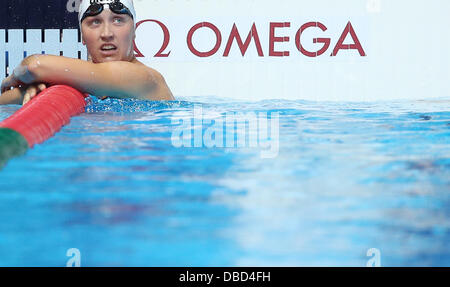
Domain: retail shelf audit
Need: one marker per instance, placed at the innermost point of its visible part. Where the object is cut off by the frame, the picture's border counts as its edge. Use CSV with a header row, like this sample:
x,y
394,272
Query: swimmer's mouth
x,y
108,47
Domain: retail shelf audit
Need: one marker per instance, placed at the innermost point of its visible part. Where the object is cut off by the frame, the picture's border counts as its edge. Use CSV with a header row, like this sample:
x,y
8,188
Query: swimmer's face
x,y
109,28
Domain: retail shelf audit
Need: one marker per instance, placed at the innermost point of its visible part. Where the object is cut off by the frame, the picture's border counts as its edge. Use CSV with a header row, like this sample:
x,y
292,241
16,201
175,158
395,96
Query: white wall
x,y
407,45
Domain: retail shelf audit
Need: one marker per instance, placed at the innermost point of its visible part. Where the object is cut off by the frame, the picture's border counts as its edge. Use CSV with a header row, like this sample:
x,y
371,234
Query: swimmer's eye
x,y
118,20
95,22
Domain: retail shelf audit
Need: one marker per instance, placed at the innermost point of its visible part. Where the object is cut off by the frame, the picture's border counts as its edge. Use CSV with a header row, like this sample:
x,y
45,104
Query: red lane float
x,y
46,113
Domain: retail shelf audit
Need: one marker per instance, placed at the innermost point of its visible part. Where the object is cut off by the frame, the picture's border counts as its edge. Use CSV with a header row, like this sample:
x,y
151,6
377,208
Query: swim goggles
x,y
96,8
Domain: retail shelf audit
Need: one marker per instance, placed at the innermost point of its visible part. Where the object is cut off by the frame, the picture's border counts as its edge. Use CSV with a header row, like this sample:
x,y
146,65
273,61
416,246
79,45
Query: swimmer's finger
x,y
42,87
26,98
32,91
7,83
4,84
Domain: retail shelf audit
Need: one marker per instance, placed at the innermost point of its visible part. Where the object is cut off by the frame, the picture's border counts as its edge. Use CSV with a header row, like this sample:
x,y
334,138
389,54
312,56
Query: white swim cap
x,y
85,4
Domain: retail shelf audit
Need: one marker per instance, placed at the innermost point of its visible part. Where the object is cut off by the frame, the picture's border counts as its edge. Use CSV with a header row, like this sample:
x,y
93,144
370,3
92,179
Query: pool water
x,y
347,177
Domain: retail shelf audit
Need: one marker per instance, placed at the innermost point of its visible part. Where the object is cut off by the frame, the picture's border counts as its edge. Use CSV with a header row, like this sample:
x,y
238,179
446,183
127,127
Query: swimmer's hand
x,y
20,76
21,94
32,90
9,83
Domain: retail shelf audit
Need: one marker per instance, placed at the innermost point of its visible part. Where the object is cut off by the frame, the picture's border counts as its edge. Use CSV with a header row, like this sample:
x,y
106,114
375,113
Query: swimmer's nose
x,y
106,33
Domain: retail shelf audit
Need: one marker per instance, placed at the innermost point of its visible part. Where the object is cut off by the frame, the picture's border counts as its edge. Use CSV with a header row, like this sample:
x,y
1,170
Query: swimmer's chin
x,y
110,59
104,60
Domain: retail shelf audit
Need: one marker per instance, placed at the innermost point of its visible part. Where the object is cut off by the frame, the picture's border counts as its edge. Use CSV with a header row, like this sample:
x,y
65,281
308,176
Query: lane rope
x,y
39,120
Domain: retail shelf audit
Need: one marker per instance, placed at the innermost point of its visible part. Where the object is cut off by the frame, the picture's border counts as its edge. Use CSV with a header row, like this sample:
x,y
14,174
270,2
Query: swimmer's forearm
x,y
117,78
59,70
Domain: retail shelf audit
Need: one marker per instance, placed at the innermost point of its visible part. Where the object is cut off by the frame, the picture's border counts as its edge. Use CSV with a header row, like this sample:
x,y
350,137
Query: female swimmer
x,y
112,70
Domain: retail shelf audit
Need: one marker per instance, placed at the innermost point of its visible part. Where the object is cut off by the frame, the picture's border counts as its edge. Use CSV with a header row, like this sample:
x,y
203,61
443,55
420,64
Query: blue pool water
x,y
347,177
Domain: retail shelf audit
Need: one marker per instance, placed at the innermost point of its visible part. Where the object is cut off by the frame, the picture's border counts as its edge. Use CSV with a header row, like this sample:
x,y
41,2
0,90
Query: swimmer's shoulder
x,y
163,91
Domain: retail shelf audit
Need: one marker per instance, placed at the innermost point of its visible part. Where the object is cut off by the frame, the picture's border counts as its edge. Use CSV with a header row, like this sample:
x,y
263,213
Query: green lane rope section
x,y
12,144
